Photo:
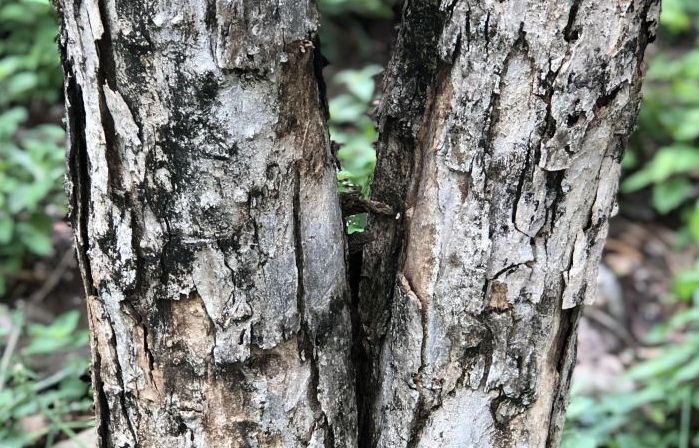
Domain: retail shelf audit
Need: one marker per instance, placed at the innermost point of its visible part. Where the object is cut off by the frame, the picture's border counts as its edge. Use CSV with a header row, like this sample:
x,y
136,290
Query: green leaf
x,y
668,161
61,333
346,109
685,284
688,372
9,65
637,181
674,16
21,83
356,223
10,121
6,227
670,194
576,439
694,222
688,127
671,358
360,82
36,239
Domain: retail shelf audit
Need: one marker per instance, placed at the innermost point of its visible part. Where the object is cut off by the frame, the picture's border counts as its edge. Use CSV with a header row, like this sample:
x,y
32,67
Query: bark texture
x,y
207,223
502,128
209,230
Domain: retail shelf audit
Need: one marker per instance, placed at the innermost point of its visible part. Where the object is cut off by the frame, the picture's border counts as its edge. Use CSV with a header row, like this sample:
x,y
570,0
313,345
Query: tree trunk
x,y
502,130
209,231
207,224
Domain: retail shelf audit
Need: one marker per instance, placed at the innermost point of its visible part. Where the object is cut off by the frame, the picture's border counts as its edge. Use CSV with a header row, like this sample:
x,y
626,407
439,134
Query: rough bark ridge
x,y
207,223
503,125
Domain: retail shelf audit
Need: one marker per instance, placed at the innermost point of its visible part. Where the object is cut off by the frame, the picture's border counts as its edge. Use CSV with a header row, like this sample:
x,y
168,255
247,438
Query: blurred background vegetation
x,y
637,380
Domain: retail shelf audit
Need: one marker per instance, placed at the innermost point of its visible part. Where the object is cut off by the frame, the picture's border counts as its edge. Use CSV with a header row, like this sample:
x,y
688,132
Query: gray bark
x,y
502,128
207,223
209,231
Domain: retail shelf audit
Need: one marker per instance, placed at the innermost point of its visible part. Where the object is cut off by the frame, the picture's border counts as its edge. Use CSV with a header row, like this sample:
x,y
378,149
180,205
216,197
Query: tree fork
x,y
209,231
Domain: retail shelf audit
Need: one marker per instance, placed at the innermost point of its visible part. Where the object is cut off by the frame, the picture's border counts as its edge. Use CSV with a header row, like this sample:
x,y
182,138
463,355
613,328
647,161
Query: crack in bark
x,y
571,34
129,310
106,78
527,170
105,49
101,402
565,352
121,394
77,160
486,33
422,409
307,343
429,55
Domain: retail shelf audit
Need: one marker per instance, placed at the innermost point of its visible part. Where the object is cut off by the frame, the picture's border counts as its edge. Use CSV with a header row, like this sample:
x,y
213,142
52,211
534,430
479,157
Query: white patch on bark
x,y
463,420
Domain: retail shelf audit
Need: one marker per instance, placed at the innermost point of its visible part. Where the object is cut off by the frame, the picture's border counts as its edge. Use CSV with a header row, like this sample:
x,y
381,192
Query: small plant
x,y
353,130
41,407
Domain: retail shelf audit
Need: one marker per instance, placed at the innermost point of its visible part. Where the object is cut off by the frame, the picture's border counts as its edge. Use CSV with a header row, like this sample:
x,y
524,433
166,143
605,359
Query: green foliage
x,y
654,414
686,284
668,173
356,223
371,8
31,155
666,143
29,62
31,173
52,398
353,130
677,16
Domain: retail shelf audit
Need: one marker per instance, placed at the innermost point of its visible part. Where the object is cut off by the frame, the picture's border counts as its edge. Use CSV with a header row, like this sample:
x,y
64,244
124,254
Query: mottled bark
x,y
502,128
207,223
209,230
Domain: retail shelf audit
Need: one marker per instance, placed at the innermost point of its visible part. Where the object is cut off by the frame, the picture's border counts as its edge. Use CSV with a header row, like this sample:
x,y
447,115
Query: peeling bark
x,y
209,230
502,128
207,223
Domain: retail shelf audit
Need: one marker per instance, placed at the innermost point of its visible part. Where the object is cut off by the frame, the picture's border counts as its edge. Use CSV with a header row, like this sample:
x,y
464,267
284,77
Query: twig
x,y
352,203
53,379
12,341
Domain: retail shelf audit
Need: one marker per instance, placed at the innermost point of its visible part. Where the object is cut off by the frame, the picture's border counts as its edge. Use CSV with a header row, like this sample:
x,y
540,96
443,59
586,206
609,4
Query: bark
x,y
209,231
207,223
502,128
